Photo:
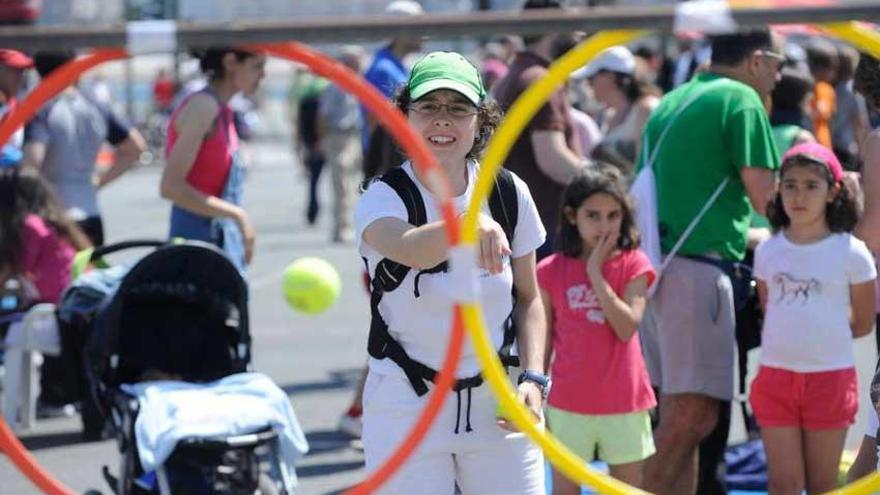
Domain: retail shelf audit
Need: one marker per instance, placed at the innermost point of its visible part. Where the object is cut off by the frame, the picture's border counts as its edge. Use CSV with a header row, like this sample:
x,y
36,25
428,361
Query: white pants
x,y
484,461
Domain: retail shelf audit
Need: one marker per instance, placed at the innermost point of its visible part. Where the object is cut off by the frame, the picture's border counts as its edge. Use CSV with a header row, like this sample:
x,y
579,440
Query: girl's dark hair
x,y
821,54
24,192
867,79
47,62
841,214
789,93
792,88
488,117
211,60
594,179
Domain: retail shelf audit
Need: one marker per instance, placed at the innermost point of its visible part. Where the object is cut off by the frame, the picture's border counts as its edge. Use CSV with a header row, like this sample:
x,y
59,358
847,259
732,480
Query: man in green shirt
x,y
689,339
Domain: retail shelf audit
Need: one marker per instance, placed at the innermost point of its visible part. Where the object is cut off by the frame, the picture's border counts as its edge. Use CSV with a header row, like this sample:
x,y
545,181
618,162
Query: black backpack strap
x,y
387,277
442,267
381,345
504,203
504,206
409,193
389,274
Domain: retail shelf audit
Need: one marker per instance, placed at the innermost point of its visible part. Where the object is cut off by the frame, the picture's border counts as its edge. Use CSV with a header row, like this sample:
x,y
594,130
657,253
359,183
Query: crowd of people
x,y
765,171
756,144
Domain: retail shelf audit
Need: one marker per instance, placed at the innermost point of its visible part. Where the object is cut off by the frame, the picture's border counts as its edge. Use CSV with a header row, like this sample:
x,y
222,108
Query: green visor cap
x,y
446,70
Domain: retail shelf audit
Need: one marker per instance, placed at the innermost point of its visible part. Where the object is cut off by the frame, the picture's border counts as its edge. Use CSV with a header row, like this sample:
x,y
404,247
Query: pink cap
x,y
818,153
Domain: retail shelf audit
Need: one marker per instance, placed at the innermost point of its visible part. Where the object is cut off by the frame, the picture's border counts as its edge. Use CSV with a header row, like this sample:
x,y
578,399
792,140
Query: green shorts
x,y
618,438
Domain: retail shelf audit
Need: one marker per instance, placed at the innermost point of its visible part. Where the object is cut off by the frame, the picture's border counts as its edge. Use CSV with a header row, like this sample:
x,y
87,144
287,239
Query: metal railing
x,y
442,26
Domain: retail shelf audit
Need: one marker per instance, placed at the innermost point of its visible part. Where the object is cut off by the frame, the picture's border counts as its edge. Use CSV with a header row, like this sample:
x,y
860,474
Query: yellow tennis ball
x,y
311,285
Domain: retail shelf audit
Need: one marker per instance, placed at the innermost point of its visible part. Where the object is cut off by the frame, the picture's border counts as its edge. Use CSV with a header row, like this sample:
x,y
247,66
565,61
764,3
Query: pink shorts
x,y
813,401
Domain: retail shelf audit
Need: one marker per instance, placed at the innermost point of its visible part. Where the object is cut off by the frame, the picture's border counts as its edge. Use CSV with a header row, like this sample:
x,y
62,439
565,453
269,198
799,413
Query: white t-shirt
x,y
873,423
422,325
806,327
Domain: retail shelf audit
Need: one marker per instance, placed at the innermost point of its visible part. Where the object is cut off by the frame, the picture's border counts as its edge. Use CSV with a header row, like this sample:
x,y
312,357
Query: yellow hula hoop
x,y
517,118
866,40
857,35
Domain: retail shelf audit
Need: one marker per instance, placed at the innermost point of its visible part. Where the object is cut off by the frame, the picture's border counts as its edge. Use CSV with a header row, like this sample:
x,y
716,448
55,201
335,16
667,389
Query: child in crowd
x,y
594,295
37,240
816,284
791,108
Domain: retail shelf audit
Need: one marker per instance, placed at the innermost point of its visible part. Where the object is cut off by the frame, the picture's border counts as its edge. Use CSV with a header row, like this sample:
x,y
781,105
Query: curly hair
x,y
488,117
867,79
841,214
595,179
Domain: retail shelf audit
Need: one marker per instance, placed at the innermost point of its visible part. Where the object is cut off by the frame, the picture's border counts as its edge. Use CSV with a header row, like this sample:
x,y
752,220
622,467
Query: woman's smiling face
x,y
447,121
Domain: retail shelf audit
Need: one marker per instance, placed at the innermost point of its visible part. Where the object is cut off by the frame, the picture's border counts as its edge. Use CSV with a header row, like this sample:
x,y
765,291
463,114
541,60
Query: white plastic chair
x,y
26,341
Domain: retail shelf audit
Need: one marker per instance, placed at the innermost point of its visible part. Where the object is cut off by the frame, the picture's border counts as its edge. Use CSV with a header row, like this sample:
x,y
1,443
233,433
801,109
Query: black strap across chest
x,y
389,275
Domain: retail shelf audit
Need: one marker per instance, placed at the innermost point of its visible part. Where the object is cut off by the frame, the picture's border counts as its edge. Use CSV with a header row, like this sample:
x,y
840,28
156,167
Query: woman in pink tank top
x,y
203,176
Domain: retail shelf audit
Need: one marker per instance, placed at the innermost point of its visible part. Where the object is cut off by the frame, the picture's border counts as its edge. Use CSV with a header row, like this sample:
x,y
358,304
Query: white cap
x,y
404,7
615,59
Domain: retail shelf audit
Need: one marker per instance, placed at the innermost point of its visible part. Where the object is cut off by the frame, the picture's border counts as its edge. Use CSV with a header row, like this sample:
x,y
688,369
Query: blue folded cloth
x,y
238,404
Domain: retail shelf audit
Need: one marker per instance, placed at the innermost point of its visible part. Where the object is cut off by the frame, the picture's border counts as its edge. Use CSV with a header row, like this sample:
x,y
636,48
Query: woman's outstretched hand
x,y
493,244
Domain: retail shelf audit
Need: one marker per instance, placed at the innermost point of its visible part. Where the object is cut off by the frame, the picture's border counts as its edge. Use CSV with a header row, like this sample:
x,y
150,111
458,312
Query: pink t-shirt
x,y
47,259
593,371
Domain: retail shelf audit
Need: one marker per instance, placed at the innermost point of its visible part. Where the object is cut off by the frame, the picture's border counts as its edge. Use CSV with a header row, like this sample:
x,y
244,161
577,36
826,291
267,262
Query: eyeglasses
x,y
771,54
775,56
456,110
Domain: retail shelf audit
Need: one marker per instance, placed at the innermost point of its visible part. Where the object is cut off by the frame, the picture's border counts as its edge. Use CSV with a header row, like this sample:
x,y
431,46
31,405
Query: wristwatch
x,y
540,379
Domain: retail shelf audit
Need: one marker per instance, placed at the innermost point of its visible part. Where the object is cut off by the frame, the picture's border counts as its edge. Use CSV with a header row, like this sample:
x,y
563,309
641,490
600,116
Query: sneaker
x,y
50,411
351,424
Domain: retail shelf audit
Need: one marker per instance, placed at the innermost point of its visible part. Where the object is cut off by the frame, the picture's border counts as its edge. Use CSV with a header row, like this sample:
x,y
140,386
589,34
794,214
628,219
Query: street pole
x,y
172,11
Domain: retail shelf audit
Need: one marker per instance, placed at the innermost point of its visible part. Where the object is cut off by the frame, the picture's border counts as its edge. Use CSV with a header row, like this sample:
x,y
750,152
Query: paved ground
x,y
314,359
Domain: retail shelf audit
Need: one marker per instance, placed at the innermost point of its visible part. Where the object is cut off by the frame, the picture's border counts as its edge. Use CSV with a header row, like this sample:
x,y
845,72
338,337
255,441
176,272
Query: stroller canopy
x,y
180,313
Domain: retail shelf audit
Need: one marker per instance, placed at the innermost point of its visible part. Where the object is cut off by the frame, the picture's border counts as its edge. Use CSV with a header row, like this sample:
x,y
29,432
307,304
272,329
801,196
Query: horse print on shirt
x,y
792,290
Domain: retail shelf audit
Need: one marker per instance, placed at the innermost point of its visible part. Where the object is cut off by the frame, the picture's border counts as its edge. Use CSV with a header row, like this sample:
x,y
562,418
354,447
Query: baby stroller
x,y
180,315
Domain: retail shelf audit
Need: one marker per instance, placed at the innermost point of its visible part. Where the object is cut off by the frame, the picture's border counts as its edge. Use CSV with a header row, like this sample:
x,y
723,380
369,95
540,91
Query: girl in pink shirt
x,y
594,295
37,240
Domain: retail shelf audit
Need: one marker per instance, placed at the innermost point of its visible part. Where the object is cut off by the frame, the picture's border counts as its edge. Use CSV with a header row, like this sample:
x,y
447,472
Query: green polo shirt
x,y
721,132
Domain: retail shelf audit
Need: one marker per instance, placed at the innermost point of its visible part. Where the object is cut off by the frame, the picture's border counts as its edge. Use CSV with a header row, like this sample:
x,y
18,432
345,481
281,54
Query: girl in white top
x,y
444,103
816,283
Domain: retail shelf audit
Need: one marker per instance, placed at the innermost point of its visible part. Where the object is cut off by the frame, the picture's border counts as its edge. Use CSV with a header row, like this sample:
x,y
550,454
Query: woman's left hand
x,y
528,394
601,251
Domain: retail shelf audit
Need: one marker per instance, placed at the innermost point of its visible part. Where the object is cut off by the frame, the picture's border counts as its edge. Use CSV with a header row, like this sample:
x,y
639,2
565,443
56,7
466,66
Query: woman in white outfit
x,y
468,446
